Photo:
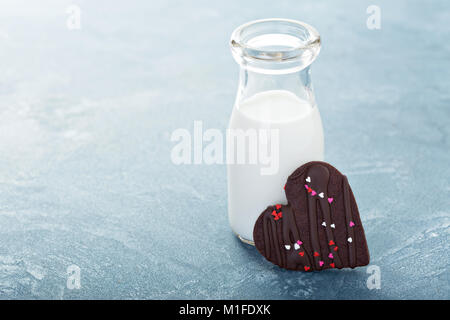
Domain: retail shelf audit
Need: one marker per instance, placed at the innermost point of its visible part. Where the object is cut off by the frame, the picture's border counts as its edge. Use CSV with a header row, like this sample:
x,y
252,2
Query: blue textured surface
x,y
85,170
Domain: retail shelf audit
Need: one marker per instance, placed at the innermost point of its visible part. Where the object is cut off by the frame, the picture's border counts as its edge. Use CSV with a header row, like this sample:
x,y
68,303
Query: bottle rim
x,y
296,45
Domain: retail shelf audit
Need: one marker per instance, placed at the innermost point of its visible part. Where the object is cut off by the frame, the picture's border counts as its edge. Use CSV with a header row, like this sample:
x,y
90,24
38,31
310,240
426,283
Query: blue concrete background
x,y
85,172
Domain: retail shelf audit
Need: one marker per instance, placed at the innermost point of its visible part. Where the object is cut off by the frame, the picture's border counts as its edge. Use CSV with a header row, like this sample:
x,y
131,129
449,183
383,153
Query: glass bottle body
x,y
275,127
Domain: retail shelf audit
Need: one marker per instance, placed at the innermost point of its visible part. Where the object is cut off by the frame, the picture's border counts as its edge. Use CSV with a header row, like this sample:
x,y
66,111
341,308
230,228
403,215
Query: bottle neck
x,y
298,83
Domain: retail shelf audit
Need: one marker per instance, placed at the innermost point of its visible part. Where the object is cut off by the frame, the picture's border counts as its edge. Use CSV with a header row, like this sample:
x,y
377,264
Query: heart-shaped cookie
x,y
330,232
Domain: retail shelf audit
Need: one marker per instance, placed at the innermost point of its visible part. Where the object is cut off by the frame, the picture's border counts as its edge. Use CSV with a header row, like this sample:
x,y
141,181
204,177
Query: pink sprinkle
x,y
330,200
351,224
299,242
313,193
306,186
321,263
331,256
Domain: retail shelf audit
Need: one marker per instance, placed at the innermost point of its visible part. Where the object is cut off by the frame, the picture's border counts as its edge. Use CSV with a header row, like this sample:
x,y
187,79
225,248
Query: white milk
x,y
300,141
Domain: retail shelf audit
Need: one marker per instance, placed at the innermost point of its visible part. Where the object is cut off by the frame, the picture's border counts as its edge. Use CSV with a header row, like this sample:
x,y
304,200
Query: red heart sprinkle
x,y
336,248
302,253
316,254
309,190
332,264
331,243
277,216
306,268
278,206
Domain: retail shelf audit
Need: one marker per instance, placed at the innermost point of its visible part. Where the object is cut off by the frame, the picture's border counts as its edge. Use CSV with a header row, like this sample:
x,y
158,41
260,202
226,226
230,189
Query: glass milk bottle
x,y
275,125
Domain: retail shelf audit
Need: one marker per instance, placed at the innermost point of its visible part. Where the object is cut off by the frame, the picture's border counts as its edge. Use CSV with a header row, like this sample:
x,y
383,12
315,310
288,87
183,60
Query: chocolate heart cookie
x,y
319,228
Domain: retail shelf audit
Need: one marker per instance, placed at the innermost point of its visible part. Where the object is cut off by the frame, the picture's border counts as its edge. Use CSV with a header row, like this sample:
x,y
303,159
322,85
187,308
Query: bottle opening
x,y
275,46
